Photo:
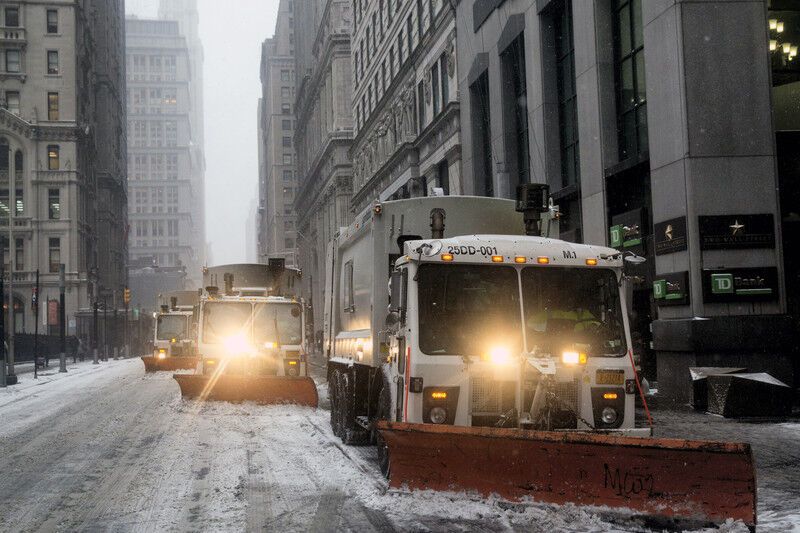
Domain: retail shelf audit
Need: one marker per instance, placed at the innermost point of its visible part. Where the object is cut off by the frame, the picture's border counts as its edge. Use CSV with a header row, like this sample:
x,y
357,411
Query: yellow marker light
x,y
439,395
519,259
499,355
447,257
610,396
573,358
591,262
270,345
497,259
543,260
292,363
211,362
173,341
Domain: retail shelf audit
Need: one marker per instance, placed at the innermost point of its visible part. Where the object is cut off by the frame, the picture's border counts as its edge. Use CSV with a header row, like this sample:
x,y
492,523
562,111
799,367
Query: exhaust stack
x,y
437,223
228,280
533,202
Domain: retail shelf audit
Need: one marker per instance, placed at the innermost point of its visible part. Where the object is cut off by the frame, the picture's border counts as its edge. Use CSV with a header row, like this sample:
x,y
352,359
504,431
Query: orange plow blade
x,y
242,388
665,480
154,364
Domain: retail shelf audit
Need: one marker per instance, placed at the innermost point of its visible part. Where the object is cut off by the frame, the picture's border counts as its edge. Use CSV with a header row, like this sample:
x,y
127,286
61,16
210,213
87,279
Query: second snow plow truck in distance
x,y
174,334
251,339
479,355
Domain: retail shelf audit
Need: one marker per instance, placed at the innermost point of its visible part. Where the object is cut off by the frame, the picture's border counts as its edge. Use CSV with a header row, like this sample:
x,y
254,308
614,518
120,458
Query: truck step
x,y
364,422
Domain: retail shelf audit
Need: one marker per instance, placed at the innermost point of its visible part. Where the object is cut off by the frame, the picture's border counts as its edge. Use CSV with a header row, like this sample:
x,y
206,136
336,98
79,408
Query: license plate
x,y
610,377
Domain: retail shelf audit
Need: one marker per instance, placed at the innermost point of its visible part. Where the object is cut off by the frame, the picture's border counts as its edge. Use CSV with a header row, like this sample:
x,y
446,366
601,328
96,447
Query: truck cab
x,y
172,334
248,332
510,331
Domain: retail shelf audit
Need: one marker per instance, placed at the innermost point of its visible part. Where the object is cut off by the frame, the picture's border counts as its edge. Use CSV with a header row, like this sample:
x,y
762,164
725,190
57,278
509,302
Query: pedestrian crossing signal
x,y
126,296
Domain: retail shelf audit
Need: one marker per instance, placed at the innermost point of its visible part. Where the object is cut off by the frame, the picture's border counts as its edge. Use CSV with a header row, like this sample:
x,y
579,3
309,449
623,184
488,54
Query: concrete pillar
x,y
712,153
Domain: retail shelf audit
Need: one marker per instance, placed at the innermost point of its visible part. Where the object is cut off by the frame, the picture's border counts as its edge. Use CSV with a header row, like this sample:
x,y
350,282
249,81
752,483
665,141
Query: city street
x,y
110,448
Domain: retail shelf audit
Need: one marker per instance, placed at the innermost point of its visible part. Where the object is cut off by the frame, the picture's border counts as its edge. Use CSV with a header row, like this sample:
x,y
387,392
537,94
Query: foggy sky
x,y
232,33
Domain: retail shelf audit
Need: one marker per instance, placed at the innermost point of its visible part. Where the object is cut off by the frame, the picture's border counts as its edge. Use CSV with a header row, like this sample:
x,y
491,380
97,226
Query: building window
x,y
287,175
409,32
567,98
445,80
12,102
420,26
12,17
19,260
287,142
630,78
53,162
286,125
55,254
399,48
481,135
54,204
515,108
286,109
285,75
13,62
435,87
52,61
287,159
420,107
52,21
52,106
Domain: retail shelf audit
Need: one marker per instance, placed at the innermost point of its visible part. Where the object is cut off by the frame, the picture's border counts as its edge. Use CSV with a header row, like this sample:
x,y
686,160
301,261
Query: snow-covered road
x,y
108,448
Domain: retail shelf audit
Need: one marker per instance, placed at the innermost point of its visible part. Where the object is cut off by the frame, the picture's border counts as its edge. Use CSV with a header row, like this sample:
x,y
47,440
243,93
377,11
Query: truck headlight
x,y
498,355
573,358
162,353
438,415
237,345
609,415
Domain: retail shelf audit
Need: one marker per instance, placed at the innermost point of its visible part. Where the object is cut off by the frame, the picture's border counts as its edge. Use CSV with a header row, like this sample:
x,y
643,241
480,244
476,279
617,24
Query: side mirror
x,y
396,292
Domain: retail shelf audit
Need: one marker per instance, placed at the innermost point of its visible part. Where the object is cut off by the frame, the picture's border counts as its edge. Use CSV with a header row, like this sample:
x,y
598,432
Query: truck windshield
x,y
171,327
576,309
468,309
281,323
222,320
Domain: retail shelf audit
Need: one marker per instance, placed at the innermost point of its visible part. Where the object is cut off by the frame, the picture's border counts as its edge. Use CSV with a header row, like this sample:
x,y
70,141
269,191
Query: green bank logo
x,y
722,284
616,236
660,289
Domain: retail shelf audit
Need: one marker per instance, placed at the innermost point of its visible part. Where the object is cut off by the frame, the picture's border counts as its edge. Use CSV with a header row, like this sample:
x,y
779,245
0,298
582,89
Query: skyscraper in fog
x,y
165,151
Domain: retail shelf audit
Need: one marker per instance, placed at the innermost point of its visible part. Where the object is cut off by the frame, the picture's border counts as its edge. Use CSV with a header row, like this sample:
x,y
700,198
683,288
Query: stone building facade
x,y
663,129
323,135
405,100
63,143
277,160
165,159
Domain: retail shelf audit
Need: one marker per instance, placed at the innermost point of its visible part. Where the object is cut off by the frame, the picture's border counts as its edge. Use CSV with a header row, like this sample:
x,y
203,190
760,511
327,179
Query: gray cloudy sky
x,y
232,33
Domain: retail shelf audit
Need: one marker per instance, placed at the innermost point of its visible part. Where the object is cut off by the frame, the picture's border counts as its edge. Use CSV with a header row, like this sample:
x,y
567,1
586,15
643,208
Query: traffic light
x,y
126,296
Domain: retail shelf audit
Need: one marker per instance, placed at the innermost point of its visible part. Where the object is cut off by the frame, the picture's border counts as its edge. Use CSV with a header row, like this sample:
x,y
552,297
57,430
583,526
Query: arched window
x,y
19,193
4,158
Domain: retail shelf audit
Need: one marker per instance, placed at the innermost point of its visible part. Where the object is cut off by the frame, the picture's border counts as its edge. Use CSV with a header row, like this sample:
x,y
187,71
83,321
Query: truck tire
x,y
333,393
350,433
384,413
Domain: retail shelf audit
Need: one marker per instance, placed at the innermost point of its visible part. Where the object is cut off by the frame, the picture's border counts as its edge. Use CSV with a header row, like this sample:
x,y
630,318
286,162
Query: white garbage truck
x,y
442,310
481,353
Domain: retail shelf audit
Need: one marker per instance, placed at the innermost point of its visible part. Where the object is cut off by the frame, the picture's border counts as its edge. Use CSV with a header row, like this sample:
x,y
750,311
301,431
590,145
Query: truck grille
x,y
567,394
491,397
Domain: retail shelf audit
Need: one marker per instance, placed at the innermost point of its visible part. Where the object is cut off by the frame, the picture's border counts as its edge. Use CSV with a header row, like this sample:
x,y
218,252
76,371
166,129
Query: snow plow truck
x,y
251,338
174,334
480,354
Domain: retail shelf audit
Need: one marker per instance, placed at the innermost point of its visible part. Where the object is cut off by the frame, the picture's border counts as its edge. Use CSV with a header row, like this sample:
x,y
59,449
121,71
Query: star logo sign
x,y
736,228
668,232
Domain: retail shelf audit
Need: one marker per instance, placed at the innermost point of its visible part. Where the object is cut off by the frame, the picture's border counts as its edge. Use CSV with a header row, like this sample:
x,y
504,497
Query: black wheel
x,y
333,394
347,419
384,413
